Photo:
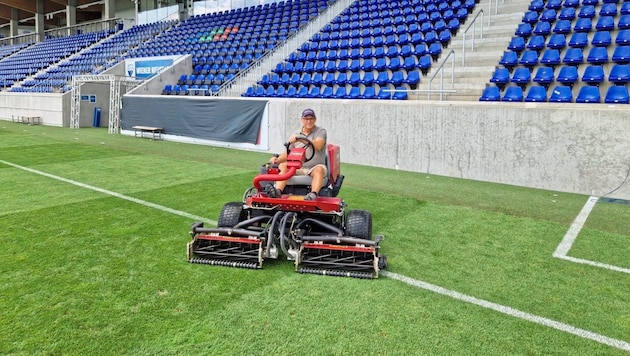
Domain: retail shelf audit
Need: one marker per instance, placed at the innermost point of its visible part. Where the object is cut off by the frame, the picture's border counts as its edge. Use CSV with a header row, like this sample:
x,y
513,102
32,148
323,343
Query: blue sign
x,y
148,68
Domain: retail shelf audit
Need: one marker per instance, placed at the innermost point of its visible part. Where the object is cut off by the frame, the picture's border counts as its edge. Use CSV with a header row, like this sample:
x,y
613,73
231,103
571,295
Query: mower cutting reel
x,y
320,235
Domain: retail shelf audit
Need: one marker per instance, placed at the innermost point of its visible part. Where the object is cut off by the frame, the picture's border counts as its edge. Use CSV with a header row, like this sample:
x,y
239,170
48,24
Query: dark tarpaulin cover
x,y
225,120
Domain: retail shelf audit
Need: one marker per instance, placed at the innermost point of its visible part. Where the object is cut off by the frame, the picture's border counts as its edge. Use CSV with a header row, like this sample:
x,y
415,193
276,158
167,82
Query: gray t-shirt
x,y
320,156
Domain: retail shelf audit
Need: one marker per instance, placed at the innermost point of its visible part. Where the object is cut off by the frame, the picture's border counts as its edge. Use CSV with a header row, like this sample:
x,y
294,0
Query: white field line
x,y
114,194
563,248
619,344
602,339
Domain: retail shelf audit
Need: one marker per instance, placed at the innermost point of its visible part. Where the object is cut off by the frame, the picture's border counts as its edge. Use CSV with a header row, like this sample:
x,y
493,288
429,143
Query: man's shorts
x,y
307,171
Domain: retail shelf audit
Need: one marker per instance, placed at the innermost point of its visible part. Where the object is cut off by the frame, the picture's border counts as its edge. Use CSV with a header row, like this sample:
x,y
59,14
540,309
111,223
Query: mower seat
x,y
332,181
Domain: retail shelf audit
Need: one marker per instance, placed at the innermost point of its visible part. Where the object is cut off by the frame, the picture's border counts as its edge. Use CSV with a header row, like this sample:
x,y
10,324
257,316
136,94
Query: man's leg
x,y
318,178
283,169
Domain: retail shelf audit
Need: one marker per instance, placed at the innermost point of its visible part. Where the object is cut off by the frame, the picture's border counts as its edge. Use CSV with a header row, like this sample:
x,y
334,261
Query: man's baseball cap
x,y
308,112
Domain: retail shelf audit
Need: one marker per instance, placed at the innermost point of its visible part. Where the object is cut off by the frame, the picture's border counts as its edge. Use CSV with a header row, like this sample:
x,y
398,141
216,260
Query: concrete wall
x,y
580,148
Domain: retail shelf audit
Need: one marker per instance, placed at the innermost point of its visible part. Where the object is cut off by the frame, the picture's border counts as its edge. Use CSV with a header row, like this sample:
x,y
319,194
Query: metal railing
x,y
440,71
472,44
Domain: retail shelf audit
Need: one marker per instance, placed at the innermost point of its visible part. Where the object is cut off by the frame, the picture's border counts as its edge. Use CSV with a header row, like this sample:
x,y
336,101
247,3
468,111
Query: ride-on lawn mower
x,y
320,235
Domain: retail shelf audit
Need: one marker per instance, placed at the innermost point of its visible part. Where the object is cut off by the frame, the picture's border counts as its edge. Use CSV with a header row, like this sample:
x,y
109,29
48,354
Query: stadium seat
x,y
500,77
517,44
542,28
548,15
619,74
412,79
535,43
593,75
530,17
340,93
400,93
597,55
327,93
605,23
562,26
354,92
550,57
586,11
522,76
621,54
568,75
583,25
509,59
567,13
578,40
529,58
368,93
557,41
544,76
536,94
601,39
624,22
523,30
588,94
617,94
573,56
623,37
491,93
514,93
385,93
608,9
561,94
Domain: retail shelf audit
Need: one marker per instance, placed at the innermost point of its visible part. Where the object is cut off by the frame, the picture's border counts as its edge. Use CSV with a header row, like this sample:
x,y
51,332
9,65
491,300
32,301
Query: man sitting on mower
x,y
316,167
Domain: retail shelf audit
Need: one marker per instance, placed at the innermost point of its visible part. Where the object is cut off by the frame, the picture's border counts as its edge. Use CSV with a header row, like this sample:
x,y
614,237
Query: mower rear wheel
x,y
230,214
359,224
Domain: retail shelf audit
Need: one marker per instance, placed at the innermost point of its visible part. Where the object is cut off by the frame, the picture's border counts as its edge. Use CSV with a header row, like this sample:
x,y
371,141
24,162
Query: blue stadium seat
x,y
394,64
398,77
583,25
550,57
354,92
291,92
536,94
605,23
597,55
568,75
382,78
542,28
617,94
400,93
623,37
367,64
625,8
529,58
621,54
619,74
522,76
536,5
424,63
548,15
567,13
571,3
368,93
500,77
535,43
412,79
601,39
327,93
318,79
578,40
587,11
491,93
530,17
523,30
588,94
517,44
573,56
557,41
168,89
367,79
544,76
410,62
385,93
562,26
561,94
593,75
340,93
354,79
624,22
509,59
514,93
553,4
608,9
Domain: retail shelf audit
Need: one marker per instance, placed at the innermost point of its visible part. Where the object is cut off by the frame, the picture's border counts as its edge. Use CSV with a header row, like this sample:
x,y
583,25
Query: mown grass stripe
x,y
111,193
619,344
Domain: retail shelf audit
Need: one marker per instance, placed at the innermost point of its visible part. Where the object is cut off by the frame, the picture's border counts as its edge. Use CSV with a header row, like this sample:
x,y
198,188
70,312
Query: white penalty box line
x,y
565,245
113,194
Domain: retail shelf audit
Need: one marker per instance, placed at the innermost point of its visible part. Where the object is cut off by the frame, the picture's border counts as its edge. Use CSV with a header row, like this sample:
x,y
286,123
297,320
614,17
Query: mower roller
x,y
321,236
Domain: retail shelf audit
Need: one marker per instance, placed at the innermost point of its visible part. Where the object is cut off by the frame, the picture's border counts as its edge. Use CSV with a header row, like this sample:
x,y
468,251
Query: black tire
x,y
230,214
359,224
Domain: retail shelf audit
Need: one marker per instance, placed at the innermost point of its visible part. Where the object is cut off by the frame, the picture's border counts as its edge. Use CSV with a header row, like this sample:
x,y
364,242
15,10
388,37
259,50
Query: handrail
x,y
441,72
472,24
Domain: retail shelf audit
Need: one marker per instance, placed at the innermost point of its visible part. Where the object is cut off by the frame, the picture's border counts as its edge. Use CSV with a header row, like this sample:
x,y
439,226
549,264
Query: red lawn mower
x,y
321,236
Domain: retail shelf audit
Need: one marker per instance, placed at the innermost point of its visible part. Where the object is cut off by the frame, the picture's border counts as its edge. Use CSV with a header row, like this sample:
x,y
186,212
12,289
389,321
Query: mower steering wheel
x,y
307,143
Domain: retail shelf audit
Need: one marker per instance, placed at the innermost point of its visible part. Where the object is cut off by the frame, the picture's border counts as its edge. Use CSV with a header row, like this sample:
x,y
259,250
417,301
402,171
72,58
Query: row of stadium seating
x,y
616,94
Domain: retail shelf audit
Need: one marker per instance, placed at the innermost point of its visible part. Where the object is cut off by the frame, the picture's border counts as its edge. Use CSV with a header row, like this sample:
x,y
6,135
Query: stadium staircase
x,y
499,24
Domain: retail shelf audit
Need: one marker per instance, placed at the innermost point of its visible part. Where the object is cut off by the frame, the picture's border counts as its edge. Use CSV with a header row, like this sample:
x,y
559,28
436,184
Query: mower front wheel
x,y
230,215
359,224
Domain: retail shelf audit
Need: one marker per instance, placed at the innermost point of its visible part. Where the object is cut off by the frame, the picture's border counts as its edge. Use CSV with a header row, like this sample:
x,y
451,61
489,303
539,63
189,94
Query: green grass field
x,y
89,272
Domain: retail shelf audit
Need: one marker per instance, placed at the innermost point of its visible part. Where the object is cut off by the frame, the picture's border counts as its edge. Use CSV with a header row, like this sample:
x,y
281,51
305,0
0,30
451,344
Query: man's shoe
x,y
272,191
310,196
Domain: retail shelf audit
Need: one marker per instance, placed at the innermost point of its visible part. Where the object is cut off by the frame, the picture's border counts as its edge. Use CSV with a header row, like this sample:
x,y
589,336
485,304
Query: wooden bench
x,y
156,132
31,120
